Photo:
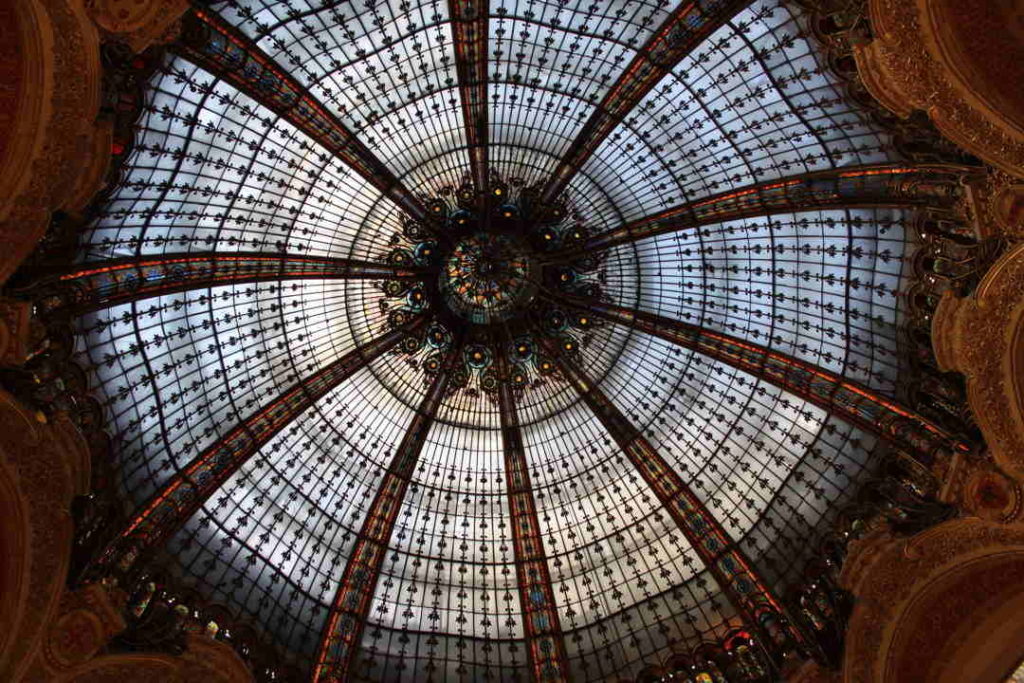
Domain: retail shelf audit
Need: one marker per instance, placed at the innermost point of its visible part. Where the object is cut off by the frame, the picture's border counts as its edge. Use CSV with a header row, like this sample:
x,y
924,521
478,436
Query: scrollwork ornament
x,y
138,23
983,337
881,638
49,461
994,205
900,69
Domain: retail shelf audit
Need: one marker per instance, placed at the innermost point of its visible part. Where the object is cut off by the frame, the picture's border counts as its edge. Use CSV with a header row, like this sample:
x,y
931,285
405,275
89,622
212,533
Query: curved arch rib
x,y
351,604
875,185
228,54
107,283
678,36
848,400
188,490
544,639
470,21
746,591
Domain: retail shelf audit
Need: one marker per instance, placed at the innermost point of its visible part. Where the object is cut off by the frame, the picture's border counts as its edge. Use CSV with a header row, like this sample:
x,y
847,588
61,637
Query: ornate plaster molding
x,y
976,485
137,23
812,672
901,584
204,660
43,465
86,621
914,64
15,331
982,336
73,648
57,68
994,206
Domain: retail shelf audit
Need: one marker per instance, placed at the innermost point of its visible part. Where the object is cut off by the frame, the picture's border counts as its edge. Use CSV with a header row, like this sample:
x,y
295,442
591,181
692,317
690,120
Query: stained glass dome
x,y
441,340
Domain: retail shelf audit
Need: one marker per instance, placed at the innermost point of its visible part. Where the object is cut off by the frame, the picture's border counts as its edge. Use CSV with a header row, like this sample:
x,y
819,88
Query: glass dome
x,y
473,194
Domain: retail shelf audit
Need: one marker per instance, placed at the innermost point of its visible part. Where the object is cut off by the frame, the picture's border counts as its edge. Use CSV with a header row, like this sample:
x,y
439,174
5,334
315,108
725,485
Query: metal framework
x,y
544,639
228,54
351,605
877,185
748,593
848,400
677,36
470,28
186,492
117,281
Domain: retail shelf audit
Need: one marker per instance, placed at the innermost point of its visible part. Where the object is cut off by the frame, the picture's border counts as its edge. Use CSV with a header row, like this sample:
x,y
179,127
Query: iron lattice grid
x,y
215,170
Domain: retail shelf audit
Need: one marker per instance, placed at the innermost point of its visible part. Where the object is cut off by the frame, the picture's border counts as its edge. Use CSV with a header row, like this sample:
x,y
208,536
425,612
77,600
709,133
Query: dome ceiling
x,y
370,249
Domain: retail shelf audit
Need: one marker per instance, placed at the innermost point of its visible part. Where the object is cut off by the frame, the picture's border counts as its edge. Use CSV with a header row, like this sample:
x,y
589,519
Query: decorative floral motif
x,y
492,276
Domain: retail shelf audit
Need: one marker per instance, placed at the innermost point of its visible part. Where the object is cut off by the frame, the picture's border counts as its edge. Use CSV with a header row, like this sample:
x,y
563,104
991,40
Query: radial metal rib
x,y
470,27
678,36
189,489
351,605
877,185
748,593
103,284
227,53
848,400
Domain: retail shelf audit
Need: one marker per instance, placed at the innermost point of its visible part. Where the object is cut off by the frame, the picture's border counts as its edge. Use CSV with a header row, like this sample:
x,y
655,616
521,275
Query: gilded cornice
x,y
46,465
905,70
900,572
137,23
983,337
55,151
61,72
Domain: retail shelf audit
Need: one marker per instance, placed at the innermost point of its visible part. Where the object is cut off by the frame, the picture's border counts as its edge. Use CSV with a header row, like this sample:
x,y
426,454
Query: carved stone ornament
x,y
923,58
15,331
994,205
138,23
49,60
54,146
84,624
977,485
812,672
924,602
87,619
43,465
982,336
204,660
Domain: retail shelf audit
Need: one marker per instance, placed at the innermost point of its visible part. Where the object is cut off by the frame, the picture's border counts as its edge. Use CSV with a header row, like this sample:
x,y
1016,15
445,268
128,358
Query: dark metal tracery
x,y
681,32
855,404
596,582
544,635
187,491
340,642
735,575
221,49
915,185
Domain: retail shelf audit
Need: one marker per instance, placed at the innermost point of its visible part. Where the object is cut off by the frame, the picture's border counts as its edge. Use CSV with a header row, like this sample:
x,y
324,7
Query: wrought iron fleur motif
x,y
493,278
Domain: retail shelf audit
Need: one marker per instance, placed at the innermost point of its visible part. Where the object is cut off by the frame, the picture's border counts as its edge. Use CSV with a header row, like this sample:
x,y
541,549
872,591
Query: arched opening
x,y
964,626
946,606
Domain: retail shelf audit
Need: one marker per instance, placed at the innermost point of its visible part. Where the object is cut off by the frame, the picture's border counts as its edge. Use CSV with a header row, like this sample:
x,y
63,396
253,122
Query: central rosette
x,y
487,278
496,278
